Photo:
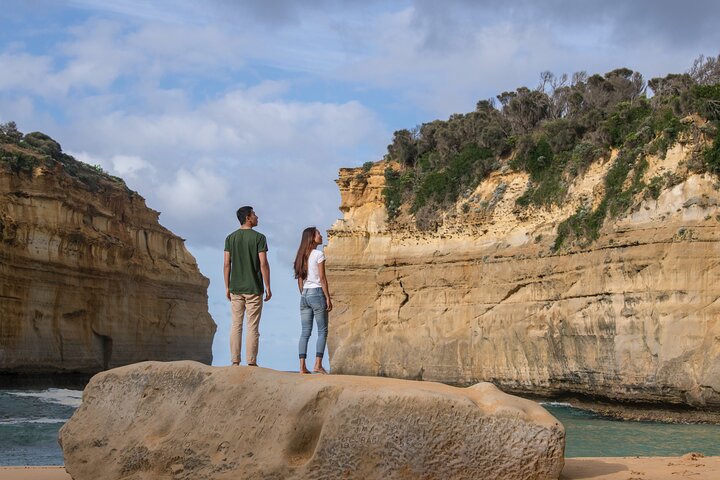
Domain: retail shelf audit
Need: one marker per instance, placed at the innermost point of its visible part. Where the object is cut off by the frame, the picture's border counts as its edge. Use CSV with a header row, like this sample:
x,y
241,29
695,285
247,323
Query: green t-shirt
x,y
244,246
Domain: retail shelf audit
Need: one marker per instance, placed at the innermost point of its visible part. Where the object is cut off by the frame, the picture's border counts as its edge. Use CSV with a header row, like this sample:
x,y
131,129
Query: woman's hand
x,y
329,303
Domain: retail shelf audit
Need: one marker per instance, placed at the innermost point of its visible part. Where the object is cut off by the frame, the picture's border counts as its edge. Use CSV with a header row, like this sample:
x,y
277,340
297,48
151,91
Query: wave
x,y
556,404
17,421
58,396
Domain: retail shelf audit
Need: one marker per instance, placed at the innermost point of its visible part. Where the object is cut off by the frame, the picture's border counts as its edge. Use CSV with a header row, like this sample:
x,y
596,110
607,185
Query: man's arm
x,y
226,271
265,272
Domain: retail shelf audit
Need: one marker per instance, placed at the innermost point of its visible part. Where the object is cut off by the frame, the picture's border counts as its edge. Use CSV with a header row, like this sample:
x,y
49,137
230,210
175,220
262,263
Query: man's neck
x,y
246,227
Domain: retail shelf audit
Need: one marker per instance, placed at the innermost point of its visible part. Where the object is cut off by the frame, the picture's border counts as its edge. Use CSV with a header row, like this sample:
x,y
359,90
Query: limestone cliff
x,y
632,316
89,279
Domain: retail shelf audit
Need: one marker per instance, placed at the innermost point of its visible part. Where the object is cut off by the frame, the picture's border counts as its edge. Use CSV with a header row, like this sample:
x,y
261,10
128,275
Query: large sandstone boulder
x,y
184,420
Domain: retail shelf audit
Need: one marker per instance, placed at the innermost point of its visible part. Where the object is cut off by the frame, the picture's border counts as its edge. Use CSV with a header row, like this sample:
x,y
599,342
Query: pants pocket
x,y
317,302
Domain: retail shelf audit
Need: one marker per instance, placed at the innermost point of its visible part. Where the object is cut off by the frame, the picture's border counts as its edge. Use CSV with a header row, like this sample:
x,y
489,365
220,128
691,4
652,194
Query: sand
x,y
691,466
34,473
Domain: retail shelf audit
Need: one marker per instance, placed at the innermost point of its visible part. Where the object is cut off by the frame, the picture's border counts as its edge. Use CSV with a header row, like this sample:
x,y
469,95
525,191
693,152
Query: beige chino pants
x,y
240,303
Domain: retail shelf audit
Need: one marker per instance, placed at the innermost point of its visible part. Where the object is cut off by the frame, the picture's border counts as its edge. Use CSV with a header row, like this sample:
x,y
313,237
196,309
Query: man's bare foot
x,y
252,364
236,364
304,370
320,370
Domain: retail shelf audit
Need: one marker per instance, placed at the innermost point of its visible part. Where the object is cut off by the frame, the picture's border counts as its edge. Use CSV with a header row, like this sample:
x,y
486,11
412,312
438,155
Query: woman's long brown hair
x,y
307,245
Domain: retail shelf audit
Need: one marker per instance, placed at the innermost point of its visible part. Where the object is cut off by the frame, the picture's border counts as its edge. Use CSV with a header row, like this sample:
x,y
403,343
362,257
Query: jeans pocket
x,y
317,301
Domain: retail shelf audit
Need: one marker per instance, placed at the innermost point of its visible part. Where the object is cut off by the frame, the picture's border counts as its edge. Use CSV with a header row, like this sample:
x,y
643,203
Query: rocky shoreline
x,y
639,412
648,413
69,380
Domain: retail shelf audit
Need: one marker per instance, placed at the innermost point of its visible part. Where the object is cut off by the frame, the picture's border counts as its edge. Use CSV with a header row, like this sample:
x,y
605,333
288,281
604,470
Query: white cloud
x,y
129,167
21,71
190,194
179,11
253,123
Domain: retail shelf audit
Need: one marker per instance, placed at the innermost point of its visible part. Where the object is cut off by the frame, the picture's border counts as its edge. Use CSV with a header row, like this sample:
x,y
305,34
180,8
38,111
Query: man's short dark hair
x,y
243,213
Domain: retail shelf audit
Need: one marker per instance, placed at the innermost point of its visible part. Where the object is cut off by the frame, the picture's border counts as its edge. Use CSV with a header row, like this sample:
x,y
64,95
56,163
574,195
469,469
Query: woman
x,y
314,296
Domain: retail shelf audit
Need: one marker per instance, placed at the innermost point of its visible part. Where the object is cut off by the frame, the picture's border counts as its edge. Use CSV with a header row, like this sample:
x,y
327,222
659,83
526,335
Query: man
x,y
246,272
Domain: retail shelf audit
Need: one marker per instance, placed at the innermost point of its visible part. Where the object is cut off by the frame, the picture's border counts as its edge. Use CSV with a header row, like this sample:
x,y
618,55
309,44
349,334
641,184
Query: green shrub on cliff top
x,y
554,133
392,193
9,133
19,161
44,144
464,169
708,100
625,120
585,224
711,155
23,153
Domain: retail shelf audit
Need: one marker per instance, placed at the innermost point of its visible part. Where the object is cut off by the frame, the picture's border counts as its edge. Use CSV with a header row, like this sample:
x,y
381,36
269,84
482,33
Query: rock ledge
x,y
185,420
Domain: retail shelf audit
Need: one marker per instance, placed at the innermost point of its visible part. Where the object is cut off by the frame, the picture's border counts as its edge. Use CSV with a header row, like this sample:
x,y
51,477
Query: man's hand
x,y
329,303
227,293
268,294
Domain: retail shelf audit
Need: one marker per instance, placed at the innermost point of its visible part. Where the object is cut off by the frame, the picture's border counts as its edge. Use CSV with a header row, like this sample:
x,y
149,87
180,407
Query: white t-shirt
x,y
313,278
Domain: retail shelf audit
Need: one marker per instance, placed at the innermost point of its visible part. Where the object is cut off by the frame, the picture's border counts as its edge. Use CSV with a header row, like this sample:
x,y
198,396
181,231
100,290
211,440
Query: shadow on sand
x,y
581,468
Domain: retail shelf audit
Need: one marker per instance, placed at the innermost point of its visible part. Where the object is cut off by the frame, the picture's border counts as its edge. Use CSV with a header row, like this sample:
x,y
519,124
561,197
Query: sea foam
x,y
556,404
58,396
21,421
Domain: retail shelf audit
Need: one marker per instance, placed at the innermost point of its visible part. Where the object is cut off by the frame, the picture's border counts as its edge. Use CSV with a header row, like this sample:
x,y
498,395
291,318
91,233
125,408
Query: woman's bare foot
x,y
320,369
305,370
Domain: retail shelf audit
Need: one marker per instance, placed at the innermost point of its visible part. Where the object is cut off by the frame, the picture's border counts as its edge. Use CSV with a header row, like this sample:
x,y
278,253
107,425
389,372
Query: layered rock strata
x,y
90,280
183,420
633,316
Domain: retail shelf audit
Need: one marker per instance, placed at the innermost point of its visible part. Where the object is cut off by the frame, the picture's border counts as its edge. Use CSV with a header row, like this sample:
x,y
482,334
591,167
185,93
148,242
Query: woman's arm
x,y
324,284
300,284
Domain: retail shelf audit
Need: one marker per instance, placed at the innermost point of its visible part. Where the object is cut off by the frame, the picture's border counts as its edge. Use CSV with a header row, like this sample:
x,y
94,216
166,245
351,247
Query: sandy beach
x,y
609,468
34,473
642,468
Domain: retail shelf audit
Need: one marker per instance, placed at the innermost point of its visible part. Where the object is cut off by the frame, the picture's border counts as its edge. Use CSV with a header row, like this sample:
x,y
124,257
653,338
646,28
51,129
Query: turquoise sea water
x,y
591,435
30,421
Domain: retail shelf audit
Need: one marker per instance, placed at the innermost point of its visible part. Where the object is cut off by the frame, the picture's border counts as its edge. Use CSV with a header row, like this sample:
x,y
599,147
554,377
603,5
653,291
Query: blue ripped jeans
x,y
312,305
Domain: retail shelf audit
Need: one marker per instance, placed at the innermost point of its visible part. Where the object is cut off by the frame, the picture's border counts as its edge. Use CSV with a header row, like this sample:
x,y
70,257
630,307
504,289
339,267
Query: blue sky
x,y
206,106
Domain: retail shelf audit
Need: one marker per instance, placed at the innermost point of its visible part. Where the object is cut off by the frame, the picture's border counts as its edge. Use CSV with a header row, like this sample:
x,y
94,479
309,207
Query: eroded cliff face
x,y
90,280
633,316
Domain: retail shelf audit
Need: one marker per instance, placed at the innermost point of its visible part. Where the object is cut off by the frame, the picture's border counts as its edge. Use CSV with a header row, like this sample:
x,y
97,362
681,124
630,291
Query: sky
x,y
203,107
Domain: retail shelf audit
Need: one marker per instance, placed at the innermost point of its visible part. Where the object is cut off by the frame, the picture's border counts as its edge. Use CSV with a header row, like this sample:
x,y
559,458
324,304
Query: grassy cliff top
x,y
554,132
22,153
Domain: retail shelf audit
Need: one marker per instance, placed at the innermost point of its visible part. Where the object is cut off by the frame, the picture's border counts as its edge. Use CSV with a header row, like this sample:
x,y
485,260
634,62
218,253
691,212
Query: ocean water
x,y
590,435
29,424
30,421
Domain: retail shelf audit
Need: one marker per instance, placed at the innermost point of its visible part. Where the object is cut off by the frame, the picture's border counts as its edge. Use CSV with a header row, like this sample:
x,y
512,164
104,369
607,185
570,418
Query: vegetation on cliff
x,y
554,132
23,153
